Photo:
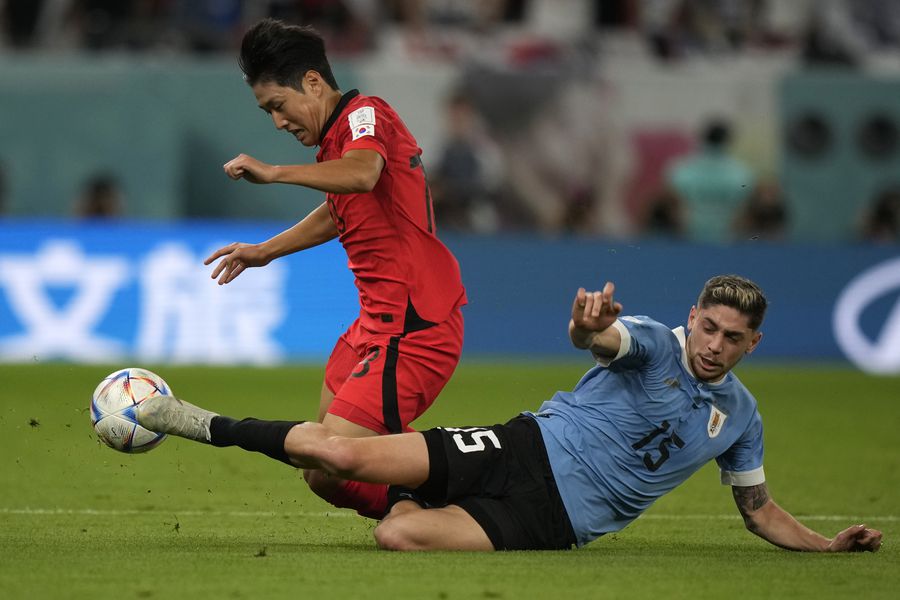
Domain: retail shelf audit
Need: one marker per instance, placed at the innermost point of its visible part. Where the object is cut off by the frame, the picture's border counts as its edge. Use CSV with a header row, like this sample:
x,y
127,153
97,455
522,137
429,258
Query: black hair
x,y
101,196
717,133
273,51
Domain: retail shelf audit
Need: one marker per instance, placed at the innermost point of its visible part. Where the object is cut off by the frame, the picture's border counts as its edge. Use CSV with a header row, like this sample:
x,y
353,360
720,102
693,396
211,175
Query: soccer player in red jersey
x,y
393,361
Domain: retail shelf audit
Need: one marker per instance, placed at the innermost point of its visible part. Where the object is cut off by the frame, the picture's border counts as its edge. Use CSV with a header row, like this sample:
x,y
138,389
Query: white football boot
x,y
168,414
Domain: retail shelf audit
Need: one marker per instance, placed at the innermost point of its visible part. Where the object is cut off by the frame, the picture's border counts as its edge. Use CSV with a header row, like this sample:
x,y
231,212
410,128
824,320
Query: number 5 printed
x,y
471,439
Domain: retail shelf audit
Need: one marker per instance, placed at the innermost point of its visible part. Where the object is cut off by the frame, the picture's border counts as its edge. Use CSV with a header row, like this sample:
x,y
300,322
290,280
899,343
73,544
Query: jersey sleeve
x,y
742,463
643,339
364,128
623,347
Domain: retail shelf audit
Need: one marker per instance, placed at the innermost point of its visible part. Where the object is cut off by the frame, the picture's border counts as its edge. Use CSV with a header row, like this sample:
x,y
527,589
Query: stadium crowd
x,y
827,30
555,164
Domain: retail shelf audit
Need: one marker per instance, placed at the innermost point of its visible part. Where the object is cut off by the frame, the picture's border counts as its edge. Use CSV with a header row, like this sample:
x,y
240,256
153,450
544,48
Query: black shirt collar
x,y
342,103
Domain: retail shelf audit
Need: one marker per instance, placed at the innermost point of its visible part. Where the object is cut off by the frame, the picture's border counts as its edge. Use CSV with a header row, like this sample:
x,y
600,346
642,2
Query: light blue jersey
x,y
636,427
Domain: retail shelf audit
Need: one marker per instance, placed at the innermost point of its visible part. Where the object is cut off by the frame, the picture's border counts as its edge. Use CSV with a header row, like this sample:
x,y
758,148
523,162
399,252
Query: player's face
x,y
719,337
302,114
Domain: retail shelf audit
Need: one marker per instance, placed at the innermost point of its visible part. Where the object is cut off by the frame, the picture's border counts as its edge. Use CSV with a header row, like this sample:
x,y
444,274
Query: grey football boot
x,y
168,414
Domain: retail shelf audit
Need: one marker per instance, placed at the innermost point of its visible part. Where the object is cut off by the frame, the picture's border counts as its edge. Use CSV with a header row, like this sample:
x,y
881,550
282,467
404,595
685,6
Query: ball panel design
x,y
113,405
116,432
143,439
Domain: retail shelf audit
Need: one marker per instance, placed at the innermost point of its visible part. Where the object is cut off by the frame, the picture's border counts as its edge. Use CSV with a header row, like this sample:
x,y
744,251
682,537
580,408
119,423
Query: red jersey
x,y
404,273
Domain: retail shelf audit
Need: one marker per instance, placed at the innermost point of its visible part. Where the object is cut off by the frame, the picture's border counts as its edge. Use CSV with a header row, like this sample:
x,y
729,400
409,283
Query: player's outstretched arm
x,y
775,525
317,228
355,172
592,315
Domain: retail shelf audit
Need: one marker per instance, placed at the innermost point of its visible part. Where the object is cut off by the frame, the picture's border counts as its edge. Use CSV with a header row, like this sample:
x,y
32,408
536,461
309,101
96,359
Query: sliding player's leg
x,y
491,483
393,459
397,459
368,499
472,488
499,477
410,527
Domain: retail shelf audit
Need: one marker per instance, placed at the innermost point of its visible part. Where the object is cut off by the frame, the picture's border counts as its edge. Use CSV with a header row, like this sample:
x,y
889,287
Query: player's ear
x,y
691,316
313,83
754,342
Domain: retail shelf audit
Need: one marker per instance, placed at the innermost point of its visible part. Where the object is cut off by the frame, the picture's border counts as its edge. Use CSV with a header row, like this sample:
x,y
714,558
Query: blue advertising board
x,y
826,302
116,291
138,291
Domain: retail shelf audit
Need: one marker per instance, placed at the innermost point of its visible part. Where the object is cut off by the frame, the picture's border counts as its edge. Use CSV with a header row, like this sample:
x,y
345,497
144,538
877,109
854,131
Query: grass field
x,y
78,520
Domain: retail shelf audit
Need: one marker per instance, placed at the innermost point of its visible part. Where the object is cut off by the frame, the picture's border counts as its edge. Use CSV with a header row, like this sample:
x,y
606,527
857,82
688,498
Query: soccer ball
x,y
113,404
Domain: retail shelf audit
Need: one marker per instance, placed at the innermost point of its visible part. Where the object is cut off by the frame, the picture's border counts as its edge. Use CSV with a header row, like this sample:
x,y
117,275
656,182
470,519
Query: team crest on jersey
x,y
362,122
716,421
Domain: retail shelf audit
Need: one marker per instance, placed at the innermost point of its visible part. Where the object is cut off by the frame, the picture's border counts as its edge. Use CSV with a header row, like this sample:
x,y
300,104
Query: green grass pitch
x,y
79,520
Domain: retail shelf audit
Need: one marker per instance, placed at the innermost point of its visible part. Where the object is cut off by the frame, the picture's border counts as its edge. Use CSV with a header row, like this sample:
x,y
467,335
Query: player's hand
x,y
858,538
593,312
246,167
236,258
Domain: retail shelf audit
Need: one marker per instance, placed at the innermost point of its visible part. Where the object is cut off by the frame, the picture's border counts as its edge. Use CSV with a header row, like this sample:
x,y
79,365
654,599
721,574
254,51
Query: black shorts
x,y
501,476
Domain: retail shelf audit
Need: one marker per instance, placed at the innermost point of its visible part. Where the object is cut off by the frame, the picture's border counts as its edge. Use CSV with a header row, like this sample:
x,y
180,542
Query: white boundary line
x,y
799,517
347,513
187,513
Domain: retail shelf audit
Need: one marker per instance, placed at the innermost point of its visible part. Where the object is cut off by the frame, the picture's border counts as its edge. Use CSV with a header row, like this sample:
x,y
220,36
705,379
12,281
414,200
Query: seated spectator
x,y
347,26
3,206
101,197
882,222
19,19
711,185
764,216
663,218
464,182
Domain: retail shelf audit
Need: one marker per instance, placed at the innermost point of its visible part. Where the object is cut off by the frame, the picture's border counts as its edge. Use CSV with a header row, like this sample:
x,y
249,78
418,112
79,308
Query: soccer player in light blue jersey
x,y
659,405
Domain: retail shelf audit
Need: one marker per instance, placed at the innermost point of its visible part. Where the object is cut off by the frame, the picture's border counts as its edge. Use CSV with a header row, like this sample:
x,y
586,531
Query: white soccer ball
x,y
113,405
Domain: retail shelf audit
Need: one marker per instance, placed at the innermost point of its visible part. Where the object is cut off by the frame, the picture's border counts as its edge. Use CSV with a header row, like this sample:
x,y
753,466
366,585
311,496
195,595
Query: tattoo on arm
x,y
751,498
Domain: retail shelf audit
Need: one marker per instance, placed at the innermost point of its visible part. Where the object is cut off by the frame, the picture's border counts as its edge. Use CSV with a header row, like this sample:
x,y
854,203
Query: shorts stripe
x,y
390,409
434,490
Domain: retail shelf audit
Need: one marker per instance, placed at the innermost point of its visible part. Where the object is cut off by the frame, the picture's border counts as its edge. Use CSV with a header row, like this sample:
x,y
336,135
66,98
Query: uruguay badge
x,y
716,421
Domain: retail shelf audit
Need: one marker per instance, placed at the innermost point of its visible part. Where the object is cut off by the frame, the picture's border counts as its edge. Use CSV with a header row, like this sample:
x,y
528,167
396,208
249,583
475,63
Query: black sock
x,y
396,493
252,434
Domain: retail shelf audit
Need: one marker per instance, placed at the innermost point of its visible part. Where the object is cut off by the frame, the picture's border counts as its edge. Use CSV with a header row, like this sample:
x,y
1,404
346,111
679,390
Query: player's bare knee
x,y
394,534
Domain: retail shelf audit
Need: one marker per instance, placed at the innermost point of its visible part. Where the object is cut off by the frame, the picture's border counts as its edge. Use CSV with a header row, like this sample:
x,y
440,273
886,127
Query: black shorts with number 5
x,y
501,476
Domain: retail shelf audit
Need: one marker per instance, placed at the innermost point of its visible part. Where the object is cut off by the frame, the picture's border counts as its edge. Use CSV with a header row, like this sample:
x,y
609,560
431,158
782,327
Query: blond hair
x,y
737,292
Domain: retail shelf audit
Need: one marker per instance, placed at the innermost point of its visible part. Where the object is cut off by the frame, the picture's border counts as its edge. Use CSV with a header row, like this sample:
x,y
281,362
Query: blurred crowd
x,y
842,31
549,165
